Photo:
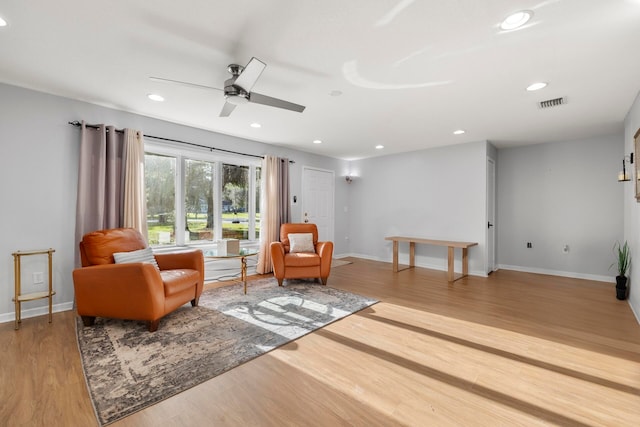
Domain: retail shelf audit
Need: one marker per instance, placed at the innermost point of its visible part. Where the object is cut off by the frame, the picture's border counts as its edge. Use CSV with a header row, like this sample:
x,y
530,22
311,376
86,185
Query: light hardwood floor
x,y
512,349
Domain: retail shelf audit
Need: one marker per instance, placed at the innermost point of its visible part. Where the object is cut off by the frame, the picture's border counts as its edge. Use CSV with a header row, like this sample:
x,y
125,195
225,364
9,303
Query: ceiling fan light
x,y
516,20
237,99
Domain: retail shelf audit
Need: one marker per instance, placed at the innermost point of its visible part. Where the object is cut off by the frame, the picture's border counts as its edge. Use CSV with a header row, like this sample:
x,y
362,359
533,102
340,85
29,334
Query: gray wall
x,y
437,193
38,171
632,209
558,194
550,194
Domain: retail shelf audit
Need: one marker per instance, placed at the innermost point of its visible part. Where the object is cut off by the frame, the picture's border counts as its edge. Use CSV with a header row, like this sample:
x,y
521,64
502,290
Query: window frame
x,y
181,154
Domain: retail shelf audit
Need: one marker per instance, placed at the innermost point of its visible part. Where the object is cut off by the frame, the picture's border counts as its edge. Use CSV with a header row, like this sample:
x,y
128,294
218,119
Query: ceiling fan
x,y
237,89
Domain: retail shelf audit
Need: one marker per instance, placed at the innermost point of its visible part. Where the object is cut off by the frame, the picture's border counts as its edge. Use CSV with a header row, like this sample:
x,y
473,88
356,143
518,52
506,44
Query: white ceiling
x,y
410,71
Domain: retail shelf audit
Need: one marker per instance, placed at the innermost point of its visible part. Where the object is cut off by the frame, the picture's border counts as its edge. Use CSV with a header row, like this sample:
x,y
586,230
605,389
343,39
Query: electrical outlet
x,y
529,245
565,249
38,277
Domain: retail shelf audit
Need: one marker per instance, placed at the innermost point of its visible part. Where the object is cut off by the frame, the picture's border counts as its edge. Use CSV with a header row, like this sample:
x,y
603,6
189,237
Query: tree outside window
x,y
235,202
198,200
160,187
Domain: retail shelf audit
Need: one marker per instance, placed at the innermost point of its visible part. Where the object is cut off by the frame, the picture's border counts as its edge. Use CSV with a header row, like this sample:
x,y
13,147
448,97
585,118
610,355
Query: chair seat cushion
x,y
301,259
176,281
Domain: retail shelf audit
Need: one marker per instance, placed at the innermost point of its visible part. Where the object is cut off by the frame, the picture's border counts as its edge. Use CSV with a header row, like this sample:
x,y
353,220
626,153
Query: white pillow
x,y
143,255
301,242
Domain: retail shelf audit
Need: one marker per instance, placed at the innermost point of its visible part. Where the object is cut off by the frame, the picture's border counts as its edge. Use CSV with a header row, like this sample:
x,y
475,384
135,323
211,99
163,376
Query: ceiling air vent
x,y
552,102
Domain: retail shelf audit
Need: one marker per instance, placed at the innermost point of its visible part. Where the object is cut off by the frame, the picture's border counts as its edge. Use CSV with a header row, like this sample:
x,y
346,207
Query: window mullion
x,y
181,215
252,203
217,200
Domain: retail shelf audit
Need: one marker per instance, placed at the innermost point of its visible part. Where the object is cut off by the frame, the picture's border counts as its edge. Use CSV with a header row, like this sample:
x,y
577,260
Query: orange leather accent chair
x,y
300,265
133,291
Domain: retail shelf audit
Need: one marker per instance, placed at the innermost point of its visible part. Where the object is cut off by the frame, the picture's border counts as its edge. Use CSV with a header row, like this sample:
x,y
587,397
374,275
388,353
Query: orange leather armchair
x,y
134,291
299,265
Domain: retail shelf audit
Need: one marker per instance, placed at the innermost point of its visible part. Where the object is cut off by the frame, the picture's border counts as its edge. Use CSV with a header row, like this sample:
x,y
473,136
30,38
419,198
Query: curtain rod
x,y
78,124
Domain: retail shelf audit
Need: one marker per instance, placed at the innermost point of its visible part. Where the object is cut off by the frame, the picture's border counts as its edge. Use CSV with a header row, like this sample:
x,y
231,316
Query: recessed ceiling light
x,y
155,97
516,20
255,125
536,86
3,23
335,93
317,141
458,132
379,147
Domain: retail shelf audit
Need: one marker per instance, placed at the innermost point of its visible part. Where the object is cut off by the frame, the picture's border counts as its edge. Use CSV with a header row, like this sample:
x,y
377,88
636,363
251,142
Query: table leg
x,y
412,254
50,287
395,256
243,273
465,262
450,264
18,291
18,310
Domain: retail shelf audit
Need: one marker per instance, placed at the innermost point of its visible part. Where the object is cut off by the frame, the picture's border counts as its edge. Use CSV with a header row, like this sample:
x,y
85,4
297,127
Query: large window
x,y
195,198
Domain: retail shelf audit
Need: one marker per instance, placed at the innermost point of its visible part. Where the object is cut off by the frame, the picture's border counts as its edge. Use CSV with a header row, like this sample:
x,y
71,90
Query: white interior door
x,y
491,217
317,200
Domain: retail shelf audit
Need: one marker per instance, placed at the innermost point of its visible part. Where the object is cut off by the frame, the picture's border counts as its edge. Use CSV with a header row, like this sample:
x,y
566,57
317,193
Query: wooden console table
x,y
450,244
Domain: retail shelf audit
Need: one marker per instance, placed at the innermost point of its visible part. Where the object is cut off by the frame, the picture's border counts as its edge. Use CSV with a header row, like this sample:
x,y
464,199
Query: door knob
x,y
489,225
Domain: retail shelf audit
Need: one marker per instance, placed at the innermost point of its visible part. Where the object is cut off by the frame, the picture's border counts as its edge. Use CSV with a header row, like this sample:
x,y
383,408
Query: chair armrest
x,y
133,291
325,250
277,259
193,260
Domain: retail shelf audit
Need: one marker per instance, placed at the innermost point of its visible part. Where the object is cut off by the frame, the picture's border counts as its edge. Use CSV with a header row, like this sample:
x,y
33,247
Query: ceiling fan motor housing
x,y
234,94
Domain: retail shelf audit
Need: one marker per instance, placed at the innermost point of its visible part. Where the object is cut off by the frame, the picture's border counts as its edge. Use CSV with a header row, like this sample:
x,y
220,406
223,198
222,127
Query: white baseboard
x,y
633,311
339,256
418,264
595,277
37,311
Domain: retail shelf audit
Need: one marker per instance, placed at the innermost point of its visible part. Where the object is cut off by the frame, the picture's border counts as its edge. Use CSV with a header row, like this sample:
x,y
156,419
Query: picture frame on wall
x,y
636,149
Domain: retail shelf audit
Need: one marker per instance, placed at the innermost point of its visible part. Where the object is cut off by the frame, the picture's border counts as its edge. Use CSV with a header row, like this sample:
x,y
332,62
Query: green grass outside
x,y
238,230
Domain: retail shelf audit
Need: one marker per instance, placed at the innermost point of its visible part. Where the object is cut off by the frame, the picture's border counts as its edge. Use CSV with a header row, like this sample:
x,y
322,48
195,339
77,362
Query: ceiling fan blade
x,y
250,74
227,109
162,80
257,98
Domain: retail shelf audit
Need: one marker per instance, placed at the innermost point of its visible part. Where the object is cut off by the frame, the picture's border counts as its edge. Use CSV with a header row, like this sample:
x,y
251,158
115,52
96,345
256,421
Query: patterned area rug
x,y
128,368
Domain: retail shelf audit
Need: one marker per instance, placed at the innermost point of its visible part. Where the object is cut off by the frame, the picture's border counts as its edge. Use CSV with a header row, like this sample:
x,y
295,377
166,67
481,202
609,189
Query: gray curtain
x,y
275,209
102,176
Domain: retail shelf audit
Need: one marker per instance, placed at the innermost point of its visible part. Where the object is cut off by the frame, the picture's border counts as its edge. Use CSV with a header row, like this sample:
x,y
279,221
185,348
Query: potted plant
x,y
623,260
